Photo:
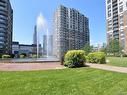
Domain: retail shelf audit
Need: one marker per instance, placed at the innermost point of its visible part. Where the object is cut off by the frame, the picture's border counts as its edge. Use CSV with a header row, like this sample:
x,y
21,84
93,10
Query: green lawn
x,y
82,81
118,61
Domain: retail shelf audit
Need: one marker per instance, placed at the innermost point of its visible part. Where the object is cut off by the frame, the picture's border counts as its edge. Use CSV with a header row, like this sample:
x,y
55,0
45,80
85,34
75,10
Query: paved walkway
x,y
29,66
54,65
108,68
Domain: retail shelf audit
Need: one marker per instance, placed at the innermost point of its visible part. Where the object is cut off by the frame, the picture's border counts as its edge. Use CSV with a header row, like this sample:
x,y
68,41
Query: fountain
x,y
41,28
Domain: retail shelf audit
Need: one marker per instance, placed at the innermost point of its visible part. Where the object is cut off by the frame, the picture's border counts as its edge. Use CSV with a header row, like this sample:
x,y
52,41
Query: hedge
x,y
34,56
96,57
22,56
74,58
5,56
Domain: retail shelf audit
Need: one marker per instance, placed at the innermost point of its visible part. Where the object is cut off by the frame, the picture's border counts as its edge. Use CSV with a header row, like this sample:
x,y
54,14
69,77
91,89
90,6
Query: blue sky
x,y
26,12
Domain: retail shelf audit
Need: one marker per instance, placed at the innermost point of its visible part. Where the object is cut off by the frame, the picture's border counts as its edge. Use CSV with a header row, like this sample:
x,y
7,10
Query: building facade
x,y
35,39
71,30
6,27
18,49
116,18
15,49
48,45
99,47
44,45
35,36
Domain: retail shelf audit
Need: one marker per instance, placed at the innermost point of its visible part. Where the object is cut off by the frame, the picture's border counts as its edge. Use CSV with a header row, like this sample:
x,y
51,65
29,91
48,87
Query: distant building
x,y
116,18
44,45
15,48
6,27
48,44
35,40
99,47
18,49
71,31
35,36
27,49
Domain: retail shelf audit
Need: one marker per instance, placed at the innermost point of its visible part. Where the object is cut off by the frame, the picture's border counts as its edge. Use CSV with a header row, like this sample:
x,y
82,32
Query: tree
x,y
104,50
114,47
87,48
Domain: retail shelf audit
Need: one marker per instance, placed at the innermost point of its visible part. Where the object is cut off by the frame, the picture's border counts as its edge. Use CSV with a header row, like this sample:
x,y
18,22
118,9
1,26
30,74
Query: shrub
x,y
5,56
34,56
124,55
74,58
0,55
12,55
62,60
22,56
96,57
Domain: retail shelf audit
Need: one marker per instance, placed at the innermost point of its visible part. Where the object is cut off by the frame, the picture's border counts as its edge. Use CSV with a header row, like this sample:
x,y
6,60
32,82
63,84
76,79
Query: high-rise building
x,y
35,39
47,44
6,27
35,42
116,18
71,30
35,35
44,45
50,45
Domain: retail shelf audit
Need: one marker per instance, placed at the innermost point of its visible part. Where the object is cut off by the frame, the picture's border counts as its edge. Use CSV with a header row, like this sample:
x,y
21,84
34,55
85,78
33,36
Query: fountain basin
x,y
30,60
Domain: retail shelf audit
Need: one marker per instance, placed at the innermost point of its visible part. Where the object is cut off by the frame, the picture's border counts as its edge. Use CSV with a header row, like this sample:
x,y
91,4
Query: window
x,y
109,13
109,7
109,1
120,3
121,24
121,20
121,9
110,23
109,28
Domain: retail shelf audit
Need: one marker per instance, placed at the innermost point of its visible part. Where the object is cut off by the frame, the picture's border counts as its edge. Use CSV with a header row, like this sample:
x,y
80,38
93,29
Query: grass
x,y
82,81
118,61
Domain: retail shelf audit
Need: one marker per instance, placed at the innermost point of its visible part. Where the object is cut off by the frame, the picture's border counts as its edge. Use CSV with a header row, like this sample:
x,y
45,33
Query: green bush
x,y
5,56
22,56
34,56
12,56
74,58
124,55
0,55
96,57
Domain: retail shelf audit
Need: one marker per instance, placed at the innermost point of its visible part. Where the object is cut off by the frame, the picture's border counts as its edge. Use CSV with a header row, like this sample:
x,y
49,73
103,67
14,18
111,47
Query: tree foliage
x,y
114,47
87,48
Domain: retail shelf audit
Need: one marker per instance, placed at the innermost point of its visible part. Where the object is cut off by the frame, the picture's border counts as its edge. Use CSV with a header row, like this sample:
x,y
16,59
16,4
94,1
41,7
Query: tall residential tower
x,y
116,17
71,30
35,35
6,27
47,45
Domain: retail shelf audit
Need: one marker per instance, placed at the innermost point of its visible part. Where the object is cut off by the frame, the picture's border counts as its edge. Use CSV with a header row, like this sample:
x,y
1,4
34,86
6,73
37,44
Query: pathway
x,y
29,66
54,65
108,68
